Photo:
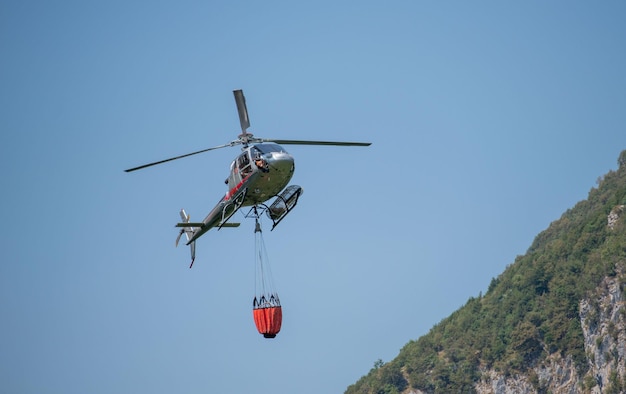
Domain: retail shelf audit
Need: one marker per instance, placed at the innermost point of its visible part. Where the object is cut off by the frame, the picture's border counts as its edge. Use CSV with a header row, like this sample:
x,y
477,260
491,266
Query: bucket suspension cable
x,y
264,280
266,308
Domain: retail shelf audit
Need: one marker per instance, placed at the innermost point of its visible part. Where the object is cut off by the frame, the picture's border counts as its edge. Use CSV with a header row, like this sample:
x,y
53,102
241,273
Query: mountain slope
x,y
554,320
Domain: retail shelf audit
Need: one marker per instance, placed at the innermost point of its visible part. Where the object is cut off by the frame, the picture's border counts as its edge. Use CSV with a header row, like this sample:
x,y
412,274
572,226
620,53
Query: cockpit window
x,y
267,148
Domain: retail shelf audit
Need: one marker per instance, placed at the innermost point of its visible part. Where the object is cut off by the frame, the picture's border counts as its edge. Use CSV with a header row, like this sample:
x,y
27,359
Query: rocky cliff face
x,y
603,321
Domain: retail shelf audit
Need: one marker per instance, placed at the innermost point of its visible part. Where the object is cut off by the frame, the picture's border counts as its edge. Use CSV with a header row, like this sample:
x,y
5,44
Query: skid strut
x,y
229,209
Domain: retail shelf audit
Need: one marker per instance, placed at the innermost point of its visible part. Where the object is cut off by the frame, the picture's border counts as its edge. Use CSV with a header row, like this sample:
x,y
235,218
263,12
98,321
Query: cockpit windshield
x,y
268,148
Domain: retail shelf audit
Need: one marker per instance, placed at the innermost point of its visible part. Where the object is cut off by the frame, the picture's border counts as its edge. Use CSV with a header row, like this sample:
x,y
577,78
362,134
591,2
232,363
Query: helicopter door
x,y
244,164
239,169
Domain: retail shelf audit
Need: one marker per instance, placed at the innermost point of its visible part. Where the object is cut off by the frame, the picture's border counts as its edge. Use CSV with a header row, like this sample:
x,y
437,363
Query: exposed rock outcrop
x,y
603,322
614,216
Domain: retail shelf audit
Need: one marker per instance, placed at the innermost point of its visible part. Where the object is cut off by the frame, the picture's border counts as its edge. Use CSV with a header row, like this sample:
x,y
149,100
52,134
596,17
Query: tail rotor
x,y
189,232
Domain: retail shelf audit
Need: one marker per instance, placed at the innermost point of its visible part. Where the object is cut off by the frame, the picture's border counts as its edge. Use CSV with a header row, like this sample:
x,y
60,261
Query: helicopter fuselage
x,y
259,173
264,169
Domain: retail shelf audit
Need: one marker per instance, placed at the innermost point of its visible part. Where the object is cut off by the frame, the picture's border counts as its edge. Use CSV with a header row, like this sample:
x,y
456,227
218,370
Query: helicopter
x,y
259,173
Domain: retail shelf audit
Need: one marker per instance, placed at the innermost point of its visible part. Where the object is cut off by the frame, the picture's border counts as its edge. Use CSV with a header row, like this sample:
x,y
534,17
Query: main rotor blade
x,y
306,142
178,157
242,109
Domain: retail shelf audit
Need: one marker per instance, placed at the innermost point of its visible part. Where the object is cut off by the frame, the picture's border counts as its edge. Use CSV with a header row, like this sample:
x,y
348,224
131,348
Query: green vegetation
x,y
528,312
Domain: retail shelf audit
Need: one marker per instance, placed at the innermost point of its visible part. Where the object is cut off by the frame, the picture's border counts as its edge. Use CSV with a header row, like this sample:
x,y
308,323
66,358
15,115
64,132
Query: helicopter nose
x,y
282,161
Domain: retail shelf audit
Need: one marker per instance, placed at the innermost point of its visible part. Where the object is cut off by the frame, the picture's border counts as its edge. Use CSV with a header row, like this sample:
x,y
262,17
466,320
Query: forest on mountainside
x,y
529,312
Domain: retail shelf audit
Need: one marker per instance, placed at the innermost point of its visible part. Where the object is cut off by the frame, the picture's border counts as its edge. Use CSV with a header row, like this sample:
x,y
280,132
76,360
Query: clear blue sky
x,y
488,120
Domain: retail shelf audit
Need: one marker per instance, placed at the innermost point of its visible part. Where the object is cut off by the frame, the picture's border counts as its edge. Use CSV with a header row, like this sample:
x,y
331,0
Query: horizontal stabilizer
x,y
190,224
201,225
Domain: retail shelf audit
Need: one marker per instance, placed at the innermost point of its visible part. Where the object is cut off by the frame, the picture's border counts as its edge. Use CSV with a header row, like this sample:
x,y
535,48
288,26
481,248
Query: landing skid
x,y
282,205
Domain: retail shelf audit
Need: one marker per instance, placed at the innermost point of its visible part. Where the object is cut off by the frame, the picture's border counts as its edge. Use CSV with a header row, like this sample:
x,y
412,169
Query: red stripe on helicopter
x,y
236,188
